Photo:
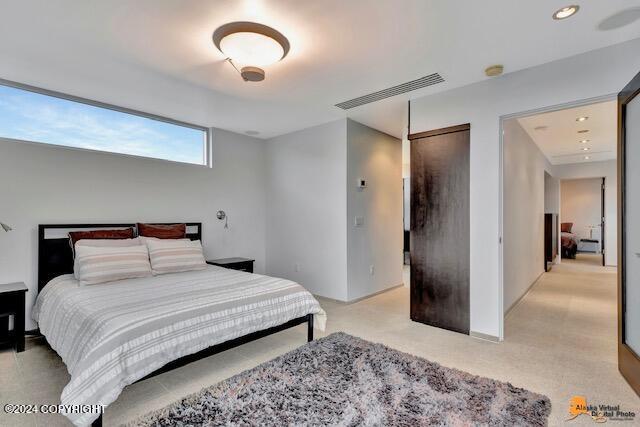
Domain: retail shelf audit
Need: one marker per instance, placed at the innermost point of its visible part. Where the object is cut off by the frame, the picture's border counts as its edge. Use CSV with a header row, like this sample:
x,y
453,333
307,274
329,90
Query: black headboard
x,y
55,257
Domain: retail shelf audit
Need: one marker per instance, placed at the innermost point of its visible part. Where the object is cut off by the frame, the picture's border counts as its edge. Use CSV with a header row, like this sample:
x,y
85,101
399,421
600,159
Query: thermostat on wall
x,y
362,183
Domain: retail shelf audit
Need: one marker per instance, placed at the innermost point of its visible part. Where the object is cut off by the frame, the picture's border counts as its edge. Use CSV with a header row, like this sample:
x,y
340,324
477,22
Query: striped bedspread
x,y
111,335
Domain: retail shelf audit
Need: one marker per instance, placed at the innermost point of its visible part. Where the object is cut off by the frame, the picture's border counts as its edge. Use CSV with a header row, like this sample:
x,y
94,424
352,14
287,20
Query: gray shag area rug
x,y
342,380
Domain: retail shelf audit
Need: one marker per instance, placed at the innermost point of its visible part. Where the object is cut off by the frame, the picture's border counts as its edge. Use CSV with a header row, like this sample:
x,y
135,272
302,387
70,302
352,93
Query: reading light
x,y
582,119
566,12
222,215
494,70
251,45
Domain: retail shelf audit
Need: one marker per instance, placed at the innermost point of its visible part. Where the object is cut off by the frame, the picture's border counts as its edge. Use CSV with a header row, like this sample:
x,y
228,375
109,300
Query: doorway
x,y
583,213
546,155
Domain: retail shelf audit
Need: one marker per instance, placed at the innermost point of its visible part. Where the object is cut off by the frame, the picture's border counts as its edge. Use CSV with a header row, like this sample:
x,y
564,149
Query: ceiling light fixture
x,y
583,131
566,12
584,141
587,157
586,149
582,119
251,45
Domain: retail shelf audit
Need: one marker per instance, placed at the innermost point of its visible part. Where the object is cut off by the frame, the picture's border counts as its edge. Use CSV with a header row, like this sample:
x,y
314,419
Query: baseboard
x,y
375,293
484,337
353,301
519,300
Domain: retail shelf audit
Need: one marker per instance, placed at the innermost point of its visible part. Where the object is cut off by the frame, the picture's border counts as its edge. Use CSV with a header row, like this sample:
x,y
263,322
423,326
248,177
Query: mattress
x,y
111,335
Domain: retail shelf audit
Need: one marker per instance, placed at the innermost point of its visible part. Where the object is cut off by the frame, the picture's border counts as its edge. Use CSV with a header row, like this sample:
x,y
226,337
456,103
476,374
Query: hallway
x,y
568,323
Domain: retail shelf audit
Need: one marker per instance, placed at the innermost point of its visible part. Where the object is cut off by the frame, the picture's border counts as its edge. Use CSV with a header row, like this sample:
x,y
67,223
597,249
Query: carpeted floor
x,y
344,380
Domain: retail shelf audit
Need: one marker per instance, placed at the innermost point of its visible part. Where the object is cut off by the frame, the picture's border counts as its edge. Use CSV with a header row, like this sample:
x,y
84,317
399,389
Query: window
x,y
35,115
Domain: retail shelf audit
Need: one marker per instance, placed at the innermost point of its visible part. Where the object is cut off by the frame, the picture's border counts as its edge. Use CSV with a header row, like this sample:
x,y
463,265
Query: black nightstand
x,y
12,304
242,264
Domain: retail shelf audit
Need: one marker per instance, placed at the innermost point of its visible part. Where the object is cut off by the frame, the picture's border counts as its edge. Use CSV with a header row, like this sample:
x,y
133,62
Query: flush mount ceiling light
x,y
251,46
584,141
566,12
587,157
582,119
586,149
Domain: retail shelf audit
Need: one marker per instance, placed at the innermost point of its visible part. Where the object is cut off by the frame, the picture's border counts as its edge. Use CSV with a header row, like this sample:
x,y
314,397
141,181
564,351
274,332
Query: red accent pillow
x,y
173,231
74,236
566,227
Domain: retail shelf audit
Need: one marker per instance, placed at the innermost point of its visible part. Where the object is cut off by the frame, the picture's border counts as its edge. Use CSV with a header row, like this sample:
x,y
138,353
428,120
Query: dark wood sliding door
x,y
629,233
440,228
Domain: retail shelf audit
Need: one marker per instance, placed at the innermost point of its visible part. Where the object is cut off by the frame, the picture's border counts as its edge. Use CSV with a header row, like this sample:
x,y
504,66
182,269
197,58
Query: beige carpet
x,y
560,341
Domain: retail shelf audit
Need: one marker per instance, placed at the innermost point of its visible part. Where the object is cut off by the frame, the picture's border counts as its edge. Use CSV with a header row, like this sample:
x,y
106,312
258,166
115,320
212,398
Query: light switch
x,y
359,221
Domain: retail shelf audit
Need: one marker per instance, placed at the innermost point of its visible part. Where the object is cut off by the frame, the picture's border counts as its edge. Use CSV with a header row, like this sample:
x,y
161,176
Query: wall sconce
x,y
222,215
5,227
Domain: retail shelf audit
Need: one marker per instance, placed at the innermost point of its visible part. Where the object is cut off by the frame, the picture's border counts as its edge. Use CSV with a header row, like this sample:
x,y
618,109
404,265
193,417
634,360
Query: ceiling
x,y
556,133
339,49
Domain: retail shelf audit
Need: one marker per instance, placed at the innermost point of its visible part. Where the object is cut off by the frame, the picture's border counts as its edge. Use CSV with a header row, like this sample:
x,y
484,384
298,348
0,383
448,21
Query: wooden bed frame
x,y
55,258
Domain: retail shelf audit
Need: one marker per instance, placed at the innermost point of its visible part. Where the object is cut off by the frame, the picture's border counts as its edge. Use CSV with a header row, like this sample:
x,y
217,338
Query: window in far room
x,y
35,115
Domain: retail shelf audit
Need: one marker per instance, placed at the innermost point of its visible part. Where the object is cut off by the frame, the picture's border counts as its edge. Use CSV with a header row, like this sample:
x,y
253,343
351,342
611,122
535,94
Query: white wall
x,y
608,170
306,208
312,201
551,194
593,74
48,185
377,158
524,208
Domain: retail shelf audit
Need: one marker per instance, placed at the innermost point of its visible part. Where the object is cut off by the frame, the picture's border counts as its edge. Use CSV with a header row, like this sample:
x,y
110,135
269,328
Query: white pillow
x,y
144,239
101,243
107,264
175,255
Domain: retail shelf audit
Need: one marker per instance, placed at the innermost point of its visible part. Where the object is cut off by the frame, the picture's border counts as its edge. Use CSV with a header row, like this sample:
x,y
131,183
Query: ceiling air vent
x,y
430,80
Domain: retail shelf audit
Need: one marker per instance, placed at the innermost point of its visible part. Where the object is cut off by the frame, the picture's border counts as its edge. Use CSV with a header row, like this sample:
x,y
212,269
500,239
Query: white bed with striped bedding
x,y
110,335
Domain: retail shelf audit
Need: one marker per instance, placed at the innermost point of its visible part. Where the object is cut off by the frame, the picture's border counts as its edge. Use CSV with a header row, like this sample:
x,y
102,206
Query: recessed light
x,y
586,149
251,45
566,12
582,119
587,157
584,141
583,131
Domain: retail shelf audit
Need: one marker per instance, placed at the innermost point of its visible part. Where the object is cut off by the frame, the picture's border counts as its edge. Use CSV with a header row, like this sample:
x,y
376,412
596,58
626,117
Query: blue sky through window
x,y
30,116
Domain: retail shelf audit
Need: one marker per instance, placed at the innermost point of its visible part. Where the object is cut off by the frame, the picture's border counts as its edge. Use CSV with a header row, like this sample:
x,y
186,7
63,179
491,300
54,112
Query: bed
x,y
114,334
569,245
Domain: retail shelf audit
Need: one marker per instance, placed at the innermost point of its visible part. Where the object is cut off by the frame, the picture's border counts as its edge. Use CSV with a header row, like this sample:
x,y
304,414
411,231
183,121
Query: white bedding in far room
x,y
110,335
